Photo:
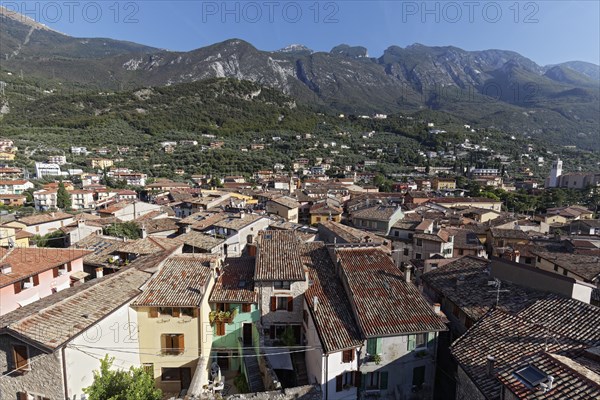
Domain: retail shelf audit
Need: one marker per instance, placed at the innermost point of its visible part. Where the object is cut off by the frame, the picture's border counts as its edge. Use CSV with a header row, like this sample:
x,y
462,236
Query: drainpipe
x,y
326,376
64,367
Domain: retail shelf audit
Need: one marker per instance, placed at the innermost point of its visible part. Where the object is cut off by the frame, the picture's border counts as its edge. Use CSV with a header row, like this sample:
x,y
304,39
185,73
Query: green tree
x,y
130,230
54,239
63,198
113,384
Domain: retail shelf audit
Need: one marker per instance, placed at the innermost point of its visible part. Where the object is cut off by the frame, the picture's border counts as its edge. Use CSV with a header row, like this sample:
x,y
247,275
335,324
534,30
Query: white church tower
x,y
553,179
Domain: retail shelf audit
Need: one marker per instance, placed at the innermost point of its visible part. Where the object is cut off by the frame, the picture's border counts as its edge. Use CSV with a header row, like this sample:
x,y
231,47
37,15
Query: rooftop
x,y
149,245
465,283
26,262
378,213
332,315
54,320
180,283
586,266
101,247
238,222
286,201
236,282
386,305
348,234
44,218
278,257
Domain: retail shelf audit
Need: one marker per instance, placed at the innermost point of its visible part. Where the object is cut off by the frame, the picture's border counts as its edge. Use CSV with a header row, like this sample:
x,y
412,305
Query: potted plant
x,y
376,358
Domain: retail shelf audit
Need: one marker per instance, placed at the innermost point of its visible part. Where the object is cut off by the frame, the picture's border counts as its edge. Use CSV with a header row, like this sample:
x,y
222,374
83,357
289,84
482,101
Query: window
x,y
539,259
279,303
419,242
396,233
187,312
565,272
406,252
172,344
556,268
285,285
372,381
305,316
170,375
222,307
165,311
246,307
21,358
374,346
460,252
148,368
418,256
345,381
417,341
418,377
348,356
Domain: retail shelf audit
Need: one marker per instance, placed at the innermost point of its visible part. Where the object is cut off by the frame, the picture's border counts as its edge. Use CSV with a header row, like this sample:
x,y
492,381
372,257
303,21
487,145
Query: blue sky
x,y
545,31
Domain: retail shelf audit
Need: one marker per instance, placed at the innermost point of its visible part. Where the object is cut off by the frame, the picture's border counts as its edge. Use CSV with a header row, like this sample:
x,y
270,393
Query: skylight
x,y
531,375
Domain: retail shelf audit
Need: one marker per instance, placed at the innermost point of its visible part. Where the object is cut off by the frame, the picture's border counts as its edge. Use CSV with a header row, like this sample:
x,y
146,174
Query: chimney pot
x,y
99,272
437,307
490,362
407,273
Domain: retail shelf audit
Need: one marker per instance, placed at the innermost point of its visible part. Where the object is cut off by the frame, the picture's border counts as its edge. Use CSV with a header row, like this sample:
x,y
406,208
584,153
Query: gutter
x,y
64,370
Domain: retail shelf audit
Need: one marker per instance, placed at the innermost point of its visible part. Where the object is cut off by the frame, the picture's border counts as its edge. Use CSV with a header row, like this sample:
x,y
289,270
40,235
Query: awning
x,y
29,300
79,275
279,358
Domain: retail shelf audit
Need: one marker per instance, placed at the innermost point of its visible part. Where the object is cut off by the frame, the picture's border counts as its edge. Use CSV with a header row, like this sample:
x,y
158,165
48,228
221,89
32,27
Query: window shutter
x,y
20,356
69,267
272,332
290,304
430,339
378,346
411,342
36,280
220,328
17,287
357,379
338,383
246,307
21,396
371,346
345,356
180,344
55,272
351,353
176,312
363,380
163,343
383,383
154,312
273,303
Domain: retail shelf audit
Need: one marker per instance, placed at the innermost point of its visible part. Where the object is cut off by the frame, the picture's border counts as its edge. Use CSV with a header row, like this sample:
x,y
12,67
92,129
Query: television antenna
x,y
497,283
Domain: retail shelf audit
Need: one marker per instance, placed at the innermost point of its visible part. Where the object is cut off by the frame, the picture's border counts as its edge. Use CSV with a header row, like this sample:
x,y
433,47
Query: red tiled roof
x,y
386,305
278,257
332,315
43,218
180,283
236,282
26,262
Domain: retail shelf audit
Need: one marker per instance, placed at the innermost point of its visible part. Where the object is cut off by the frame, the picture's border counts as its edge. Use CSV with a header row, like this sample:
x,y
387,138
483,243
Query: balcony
x,y
222,316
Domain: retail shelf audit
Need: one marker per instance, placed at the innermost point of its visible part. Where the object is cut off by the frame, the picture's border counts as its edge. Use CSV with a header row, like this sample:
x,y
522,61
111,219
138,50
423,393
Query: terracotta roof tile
x,y
236,282
278,257
385,304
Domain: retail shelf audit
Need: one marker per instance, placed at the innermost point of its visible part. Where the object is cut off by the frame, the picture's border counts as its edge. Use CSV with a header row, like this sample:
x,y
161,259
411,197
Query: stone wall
x,y
465,388
44,377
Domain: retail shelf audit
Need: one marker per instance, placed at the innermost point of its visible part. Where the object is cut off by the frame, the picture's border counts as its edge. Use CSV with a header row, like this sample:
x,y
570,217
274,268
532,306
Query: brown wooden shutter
x,y
273,303
246,307
36,280
163,343
20,356
357,378
17,287
55,272
220,328
290,304
347,356
154,312
339,380
180,344
176,312
22,396
69,267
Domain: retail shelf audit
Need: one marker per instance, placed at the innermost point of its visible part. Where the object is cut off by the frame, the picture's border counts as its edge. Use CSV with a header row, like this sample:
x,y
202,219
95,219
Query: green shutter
x,y
430,339
378,349
371,346
383,383
412,340
363,381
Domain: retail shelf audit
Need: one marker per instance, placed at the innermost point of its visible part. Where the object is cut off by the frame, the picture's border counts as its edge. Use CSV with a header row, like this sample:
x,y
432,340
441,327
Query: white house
x,y
14,186
47,169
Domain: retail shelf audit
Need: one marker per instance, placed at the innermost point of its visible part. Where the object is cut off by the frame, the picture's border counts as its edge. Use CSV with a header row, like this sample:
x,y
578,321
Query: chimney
x,y
437,308
144,232
517,256
99,272
490,362
316,302
407,273
550,382
80,223
5,269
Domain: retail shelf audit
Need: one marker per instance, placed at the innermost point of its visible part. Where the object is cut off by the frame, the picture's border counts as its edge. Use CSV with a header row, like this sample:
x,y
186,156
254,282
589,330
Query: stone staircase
x,y
299,363
254,377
